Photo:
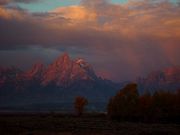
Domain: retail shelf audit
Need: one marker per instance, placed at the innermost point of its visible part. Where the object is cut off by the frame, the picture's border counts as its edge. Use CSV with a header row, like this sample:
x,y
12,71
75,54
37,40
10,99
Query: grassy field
x,y
64,124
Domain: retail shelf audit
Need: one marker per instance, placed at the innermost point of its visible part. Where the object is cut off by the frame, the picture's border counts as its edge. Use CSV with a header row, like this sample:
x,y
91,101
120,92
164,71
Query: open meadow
x,y
68,124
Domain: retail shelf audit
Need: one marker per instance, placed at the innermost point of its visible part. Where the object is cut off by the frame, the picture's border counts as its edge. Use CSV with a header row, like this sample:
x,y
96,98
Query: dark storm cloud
x,y
25,1
121,41
4,2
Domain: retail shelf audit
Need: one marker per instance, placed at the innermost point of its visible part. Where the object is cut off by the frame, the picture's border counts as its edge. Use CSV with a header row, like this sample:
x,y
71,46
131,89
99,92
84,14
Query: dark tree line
x,y
161,106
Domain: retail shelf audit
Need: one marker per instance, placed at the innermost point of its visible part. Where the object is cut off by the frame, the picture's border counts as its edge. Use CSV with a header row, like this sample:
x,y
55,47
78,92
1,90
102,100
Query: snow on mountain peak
x,y
78,61
66,71
81,62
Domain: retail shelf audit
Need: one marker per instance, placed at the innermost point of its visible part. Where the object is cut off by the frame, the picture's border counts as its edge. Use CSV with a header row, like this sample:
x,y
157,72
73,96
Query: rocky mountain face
x,y
167,79
64,72
64,79
60,81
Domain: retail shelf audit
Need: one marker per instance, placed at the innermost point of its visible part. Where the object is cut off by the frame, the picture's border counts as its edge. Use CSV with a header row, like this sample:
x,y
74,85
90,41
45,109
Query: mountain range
x,y
60,81
64,79
166,79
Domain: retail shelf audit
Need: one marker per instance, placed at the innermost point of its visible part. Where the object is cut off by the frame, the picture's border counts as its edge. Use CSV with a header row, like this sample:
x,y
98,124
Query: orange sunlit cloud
x,y
138,35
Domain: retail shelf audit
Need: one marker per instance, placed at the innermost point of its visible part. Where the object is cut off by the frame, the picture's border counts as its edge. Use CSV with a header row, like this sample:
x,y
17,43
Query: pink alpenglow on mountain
x,y
64,71
167,79
36,72
60,81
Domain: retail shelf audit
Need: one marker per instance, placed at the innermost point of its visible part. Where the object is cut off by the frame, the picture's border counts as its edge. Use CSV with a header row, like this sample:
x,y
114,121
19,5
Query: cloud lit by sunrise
x,y
137,36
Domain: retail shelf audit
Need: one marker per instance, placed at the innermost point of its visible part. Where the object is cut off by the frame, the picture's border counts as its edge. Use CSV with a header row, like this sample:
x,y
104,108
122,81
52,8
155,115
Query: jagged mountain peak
x,y
62,80
172,70
168,78
81,62
65,55
62,59
65,71
36,71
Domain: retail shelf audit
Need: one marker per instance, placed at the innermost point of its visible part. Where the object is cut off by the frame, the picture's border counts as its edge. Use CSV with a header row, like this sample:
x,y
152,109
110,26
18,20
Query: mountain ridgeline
x,y
167,79
65,79
60,81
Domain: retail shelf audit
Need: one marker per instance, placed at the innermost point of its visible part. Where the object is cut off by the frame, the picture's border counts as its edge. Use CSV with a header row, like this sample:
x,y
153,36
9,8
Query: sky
x,y
46,5
121,39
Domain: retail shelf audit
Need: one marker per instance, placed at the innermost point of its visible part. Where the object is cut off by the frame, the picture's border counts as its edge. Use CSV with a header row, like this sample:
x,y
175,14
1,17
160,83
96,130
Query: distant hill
x,y
166,79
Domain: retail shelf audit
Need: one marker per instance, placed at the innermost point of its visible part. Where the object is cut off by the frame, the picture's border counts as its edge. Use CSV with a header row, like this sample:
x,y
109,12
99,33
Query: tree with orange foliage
x,y
79,104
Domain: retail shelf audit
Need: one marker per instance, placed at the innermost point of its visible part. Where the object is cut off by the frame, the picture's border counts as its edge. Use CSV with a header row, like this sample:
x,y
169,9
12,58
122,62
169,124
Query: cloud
x,y
122,41
75,13
4,2
25,1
